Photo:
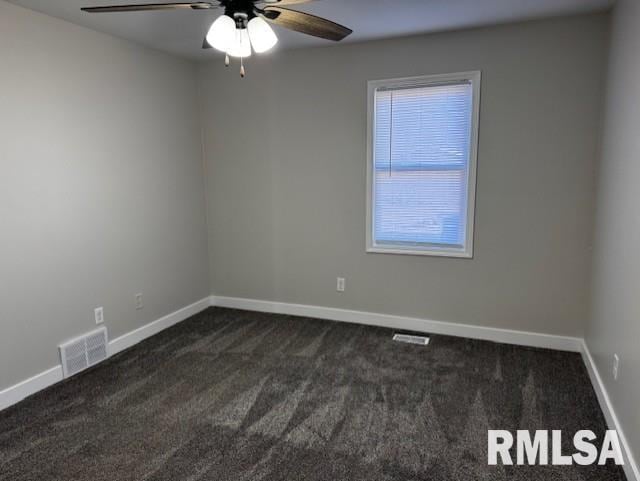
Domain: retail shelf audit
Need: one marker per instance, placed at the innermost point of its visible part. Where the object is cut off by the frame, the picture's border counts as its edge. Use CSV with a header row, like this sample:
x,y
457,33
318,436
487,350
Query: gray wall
x,y
286,157
101,189
614,326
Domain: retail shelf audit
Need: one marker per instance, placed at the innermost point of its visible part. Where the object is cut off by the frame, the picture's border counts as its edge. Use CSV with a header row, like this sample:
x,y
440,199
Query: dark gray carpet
x,y
234,395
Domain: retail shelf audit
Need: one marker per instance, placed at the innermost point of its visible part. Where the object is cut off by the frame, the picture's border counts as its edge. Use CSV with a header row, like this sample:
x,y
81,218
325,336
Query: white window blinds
x,y
422,153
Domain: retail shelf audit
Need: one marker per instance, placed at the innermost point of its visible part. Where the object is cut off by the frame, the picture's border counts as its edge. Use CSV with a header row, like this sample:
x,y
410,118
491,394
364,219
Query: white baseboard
x,y
134,337
16,393
630,467
521,338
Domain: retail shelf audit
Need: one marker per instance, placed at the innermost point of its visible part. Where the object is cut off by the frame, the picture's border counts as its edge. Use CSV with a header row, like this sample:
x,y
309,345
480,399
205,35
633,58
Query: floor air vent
x,y
83,352
409,339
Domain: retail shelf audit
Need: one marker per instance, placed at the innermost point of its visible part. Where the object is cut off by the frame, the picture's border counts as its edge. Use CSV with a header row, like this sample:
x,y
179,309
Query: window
x,y
423,136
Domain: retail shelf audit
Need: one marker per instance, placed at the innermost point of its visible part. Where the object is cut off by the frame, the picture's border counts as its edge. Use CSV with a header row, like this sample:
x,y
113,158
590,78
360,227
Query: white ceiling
x,y
182,32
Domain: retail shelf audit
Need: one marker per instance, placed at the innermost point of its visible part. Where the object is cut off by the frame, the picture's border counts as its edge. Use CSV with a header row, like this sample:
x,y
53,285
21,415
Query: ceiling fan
x,y
244,25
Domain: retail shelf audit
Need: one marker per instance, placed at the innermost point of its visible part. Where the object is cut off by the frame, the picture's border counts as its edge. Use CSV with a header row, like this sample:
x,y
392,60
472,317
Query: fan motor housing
x,y
236,8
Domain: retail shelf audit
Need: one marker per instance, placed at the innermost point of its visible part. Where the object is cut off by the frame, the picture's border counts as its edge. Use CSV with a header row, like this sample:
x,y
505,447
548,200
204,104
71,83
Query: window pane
x,y
417,206
421,158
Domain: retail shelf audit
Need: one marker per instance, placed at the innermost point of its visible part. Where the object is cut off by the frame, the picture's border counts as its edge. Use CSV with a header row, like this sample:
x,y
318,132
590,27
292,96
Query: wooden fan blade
x,y
306,23
279,3
151,6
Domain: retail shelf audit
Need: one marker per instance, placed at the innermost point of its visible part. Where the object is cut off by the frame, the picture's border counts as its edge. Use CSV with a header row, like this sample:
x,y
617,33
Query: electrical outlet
x,y
98,313
616,366
340,284
139,304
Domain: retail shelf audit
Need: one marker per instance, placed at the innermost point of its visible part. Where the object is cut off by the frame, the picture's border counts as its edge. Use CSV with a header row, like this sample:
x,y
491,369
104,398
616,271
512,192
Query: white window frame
x,y
474,78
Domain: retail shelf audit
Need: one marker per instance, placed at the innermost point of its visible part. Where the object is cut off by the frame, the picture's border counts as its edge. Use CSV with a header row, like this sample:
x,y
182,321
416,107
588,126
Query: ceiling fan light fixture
x,y
241,45
222,34
262,36
242,28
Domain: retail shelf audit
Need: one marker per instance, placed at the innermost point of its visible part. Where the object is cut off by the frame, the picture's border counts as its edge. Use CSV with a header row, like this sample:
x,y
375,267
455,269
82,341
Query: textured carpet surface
x,y
235,395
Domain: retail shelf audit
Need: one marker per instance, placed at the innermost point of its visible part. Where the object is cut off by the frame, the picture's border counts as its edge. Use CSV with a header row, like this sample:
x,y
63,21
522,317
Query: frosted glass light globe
x,y
222,33
263,38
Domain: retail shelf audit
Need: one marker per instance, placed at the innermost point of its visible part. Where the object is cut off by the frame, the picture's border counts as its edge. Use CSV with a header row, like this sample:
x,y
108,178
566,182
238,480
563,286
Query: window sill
x,y
420,252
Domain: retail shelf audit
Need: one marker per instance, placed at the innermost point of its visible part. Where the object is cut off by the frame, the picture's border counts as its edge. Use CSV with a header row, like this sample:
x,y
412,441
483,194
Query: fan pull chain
x,y
241,57
227,61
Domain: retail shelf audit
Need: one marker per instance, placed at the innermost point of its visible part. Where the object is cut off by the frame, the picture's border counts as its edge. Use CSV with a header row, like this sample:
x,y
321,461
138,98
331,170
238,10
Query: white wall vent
x,y
83,352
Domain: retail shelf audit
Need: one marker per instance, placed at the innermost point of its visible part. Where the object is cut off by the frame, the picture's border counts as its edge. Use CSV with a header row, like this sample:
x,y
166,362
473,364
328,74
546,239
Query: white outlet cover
x,y
139,304
98,314
340,284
